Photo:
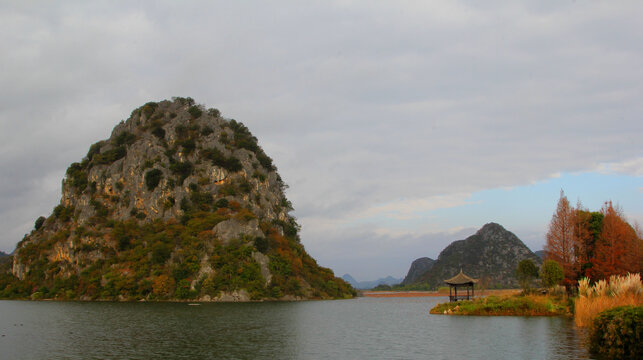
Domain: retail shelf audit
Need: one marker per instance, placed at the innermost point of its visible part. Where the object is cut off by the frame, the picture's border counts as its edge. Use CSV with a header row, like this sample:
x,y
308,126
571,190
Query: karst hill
x,y
491,255
178,203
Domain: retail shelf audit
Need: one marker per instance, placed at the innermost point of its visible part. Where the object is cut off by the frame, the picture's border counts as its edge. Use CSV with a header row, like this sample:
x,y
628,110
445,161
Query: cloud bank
x,y
375,112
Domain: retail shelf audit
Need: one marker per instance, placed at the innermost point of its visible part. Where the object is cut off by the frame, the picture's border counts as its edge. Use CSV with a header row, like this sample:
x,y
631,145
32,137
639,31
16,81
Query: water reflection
x,y
361,328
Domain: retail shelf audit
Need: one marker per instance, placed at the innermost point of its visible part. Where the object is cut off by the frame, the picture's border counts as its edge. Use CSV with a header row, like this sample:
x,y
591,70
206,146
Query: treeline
x,y
593,244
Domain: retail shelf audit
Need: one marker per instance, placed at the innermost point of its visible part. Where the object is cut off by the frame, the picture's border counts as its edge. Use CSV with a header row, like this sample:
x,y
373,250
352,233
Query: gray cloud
x,y
359,103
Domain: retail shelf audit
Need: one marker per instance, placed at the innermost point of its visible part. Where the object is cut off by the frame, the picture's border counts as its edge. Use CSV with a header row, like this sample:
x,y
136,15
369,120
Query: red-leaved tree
x,y
617,250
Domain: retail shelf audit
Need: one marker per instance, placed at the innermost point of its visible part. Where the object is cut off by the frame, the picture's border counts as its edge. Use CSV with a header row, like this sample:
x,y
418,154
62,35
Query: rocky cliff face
x,y
417,269
177,203
491,255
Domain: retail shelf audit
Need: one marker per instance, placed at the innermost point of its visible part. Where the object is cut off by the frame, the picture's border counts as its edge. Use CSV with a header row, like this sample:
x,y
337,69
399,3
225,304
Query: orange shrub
x,y
163,285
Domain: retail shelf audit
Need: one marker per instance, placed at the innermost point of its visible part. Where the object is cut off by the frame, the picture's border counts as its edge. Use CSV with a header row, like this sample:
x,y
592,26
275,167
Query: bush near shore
x,y
618,333
613,312
517,305
604,295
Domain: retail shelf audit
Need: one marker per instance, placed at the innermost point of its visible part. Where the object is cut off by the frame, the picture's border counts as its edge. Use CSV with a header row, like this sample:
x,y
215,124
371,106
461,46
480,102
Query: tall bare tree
x,y
560,238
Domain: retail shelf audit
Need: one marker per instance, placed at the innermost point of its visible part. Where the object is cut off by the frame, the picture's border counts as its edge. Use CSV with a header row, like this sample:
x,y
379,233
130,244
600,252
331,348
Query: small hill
x,y
541,254
491,255
178,203
418,267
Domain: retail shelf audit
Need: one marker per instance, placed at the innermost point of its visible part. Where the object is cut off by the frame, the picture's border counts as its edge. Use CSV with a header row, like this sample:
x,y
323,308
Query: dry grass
x,y
619,291
501,292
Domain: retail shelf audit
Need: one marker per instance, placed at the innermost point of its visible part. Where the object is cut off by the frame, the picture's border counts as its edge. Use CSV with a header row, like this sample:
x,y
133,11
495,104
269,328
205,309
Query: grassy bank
x,y
516,305
439,293
603,295
613,313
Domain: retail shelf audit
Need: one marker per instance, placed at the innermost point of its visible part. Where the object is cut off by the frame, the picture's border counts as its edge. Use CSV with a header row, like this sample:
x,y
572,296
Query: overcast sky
x,y
400,126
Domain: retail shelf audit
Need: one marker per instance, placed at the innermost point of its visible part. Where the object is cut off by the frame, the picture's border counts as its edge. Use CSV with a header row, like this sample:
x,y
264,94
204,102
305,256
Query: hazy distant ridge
x,y
362,285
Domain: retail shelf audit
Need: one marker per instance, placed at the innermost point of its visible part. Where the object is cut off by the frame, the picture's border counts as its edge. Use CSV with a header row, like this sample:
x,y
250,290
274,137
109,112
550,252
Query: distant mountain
x,y
363,285
349,279
418,267
491,254
541,254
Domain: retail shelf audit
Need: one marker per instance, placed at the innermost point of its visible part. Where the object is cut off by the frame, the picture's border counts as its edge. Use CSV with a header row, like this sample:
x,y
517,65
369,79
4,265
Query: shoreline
x,y
380,294
419,293
507,305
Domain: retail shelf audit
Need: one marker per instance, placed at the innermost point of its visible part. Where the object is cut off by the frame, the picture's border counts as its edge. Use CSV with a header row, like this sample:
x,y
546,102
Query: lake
x,y
381,328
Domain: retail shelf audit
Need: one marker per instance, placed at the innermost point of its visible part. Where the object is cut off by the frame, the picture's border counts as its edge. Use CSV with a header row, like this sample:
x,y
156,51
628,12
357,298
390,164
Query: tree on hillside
x,y
560,238
551,273
39,222
526,272
617,249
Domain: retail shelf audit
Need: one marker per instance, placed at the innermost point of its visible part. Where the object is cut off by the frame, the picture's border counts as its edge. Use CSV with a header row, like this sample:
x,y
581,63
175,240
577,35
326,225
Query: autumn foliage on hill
x,y
593,244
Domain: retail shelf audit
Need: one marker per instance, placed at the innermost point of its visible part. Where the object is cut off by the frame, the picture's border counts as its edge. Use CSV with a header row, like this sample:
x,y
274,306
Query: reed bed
x,y
603,295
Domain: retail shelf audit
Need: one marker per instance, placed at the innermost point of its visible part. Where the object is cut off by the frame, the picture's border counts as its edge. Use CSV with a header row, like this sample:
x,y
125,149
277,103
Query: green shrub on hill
x,y
195,111
110,156
217,158
64,213
124,138
153,178
149,109
158,132
77,176
182,170
94,150
39,222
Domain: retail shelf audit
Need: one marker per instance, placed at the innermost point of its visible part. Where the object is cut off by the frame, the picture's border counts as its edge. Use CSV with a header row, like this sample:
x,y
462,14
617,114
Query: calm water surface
x,y
390,328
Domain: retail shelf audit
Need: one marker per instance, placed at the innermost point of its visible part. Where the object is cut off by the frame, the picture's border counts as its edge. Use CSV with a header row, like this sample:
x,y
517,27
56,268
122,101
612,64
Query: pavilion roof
x,y
460,279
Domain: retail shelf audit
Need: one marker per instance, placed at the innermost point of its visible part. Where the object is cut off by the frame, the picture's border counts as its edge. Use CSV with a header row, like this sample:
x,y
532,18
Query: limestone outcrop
x,y
178,203
491,255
